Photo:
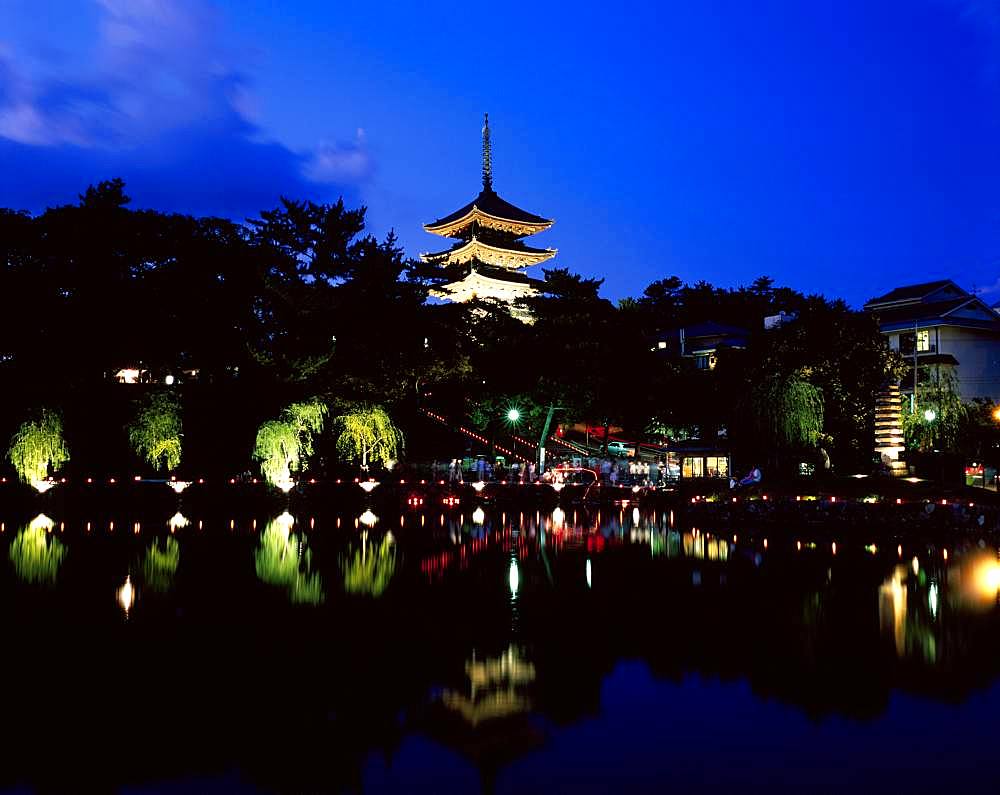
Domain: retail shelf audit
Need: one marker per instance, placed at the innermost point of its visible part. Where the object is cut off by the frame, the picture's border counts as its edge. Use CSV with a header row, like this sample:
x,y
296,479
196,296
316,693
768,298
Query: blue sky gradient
x,y
840,147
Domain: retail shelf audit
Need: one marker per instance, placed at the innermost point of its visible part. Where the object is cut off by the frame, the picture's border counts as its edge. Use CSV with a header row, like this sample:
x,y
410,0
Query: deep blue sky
x,y
842,147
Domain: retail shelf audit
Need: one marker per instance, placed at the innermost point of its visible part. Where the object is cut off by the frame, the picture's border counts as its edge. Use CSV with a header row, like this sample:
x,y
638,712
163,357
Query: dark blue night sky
x,y
840,147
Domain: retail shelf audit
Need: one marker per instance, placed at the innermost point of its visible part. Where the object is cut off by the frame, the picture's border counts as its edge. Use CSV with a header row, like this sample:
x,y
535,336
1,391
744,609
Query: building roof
x,y
489,204
968,311
912,293
513,254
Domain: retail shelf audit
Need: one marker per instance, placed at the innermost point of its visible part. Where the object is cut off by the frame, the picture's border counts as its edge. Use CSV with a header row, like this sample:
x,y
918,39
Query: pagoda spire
x,y
487,154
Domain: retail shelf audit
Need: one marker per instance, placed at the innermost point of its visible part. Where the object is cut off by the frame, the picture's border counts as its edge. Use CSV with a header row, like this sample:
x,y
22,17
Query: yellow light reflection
x,y
126,595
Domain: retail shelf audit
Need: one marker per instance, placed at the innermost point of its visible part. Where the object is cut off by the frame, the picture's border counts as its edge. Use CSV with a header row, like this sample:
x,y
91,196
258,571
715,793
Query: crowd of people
x,y
560,469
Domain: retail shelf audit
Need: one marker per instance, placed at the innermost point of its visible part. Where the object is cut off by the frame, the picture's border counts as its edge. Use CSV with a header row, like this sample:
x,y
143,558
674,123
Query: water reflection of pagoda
x,y
496,688
489,256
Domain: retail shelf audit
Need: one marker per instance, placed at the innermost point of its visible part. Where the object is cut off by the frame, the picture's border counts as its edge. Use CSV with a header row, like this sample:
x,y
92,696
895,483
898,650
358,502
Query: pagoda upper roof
x,y
489,210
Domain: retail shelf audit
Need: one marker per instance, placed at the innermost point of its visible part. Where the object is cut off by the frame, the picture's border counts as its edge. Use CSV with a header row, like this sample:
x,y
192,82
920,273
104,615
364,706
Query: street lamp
x,y
513,418
930,415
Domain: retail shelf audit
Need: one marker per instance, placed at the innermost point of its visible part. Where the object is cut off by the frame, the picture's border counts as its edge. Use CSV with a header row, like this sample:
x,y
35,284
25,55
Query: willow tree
x,y
36,555
787,414
938,414
367,433
285,445
283,559
38,446
156,431
368,571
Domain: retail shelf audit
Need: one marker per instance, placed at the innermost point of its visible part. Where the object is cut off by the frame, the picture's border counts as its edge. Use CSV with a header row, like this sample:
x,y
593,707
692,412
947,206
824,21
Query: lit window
x,y
702,361
718,466
693,467
924,340
661,344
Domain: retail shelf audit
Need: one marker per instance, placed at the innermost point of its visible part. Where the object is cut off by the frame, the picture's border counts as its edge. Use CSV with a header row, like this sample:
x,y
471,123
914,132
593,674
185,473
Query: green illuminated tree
x,y
788,411
36,556
367,433
283,559
368,570
156,432
285,445
160,564
38,446
941,396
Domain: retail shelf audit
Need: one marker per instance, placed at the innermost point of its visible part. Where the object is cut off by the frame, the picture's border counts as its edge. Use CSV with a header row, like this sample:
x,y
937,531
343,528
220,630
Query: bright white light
x,y
41,522
916,566
179,485
513,415
929,415
558,517
42,486
178,521
588,572
557,487
513,578
479,486
126,595
169,380
932,599
635,516
478,516
368,519
368,486
285,485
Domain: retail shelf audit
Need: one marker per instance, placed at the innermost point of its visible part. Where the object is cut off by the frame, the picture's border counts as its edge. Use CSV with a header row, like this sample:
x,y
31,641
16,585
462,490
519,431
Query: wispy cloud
x,y
162,86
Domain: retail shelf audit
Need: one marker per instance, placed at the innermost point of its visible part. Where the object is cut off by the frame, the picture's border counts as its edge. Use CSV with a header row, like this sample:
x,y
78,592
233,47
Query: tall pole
x,y
913,399
545,435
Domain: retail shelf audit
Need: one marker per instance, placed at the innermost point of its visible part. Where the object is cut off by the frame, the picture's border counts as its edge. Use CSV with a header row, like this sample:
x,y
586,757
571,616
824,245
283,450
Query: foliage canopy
x,y
156,431
367,433
37,446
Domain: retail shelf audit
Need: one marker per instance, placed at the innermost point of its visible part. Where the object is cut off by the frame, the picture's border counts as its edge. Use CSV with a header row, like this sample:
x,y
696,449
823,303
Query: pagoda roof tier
x,y
485,282
513,256
488,210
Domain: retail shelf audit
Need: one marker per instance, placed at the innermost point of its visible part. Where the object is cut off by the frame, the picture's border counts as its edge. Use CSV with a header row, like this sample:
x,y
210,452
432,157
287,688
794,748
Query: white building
x,y
940,327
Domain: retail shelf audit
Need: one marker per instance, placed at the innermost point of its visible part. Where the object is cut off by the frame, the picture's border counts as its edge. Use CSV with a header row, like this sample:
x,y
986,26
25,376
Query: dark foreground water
x,y
510,653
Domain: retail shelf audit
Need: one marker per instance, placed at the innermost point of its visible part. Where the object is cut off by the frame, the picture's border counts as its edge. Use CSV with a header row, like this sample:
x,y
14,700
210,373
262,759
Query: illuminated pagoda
x,y
489,257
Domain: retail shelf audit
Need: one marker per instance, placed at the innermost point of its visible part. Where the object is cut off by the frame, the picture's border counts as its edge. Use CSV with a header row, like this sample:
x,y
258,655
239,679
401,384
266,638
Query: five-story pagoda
x,y
488,258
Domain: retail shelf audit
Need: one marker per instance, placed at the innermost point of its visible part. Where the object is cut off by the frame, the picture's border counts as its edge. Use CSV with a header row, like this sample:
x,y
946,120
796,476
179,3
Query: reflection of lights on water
x,y
41,522
557,487
635,516
558,517
916,566
479,486
479,516
932,599
368,519
178,521
986,576
588,573
899,550
893,595
368,486
126,595
513,577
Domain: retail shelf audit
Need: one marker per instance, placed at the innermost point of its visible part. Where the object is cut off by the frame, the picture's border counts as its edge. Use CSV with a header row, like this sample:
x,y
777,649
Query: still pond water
x,y
490,652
